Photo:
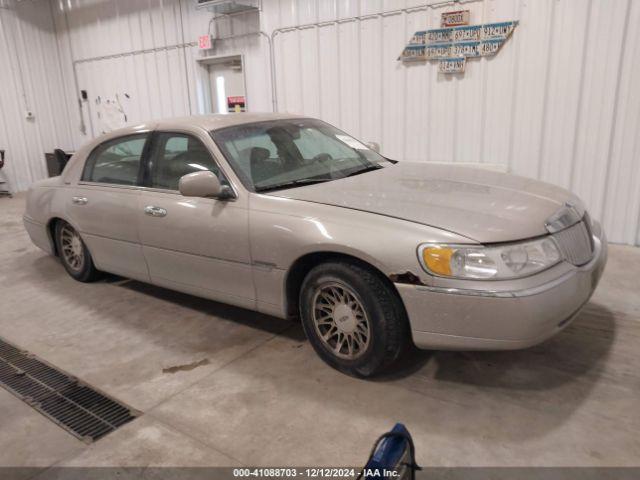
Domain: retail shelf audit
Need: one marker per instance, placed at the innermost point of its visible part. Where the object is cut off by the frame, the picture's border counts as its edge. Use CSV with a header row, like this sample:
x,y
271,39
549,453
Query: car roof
x,y
206,122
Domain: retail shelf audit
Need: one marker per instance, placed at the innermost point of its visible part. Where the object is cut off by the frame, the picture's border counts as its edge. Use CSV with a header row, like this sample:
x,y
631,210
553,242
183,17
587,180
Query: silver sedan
x,y
292,217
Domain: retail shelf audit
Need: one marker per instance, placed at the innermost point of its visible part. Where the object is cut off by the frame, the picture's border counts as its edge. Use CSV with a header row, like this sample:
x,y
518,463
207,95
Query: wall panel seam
x,y
578,119
545,98
614,113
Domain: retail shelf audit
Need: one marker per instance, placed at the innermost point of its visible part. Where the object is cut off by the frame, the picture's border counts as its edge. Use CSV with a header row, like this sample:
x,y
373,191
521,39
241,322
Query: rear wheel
x,y
353,319
74,254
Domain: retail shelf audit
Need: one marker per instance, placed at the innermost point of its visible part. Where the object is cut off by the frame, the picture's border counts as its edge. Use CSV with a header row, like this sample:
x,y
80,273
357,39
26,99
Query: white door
x,y
226,80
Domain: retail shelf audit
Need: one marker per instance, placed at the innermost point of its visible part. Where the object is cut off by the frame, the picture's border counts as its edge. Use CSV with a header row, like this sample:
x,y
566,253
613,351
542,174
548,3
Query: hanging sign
x,y
453,19
465,34
452,65
438,36
457,41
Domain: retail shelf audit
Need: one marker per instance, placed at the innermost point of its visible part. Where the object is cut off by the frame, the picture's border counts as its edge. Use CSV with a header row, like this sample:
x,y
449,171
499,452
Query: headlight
x,y
496,263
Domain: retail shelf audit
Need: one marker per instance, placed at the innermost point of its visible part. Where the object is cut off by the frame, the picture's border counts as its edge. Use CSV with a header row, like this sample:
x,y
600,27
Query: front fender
x,y
283,230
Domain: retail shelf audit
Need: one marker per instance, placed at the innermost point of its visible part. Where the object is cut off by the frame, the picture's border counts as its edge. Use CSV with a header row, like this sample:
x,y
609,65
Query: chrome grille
x,y
575,243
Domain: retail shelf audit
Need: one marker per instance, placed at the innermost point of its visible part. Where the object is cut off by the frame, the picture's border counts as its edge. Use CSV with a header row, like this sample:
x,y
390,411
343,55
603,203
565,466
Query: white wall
x,y
147,50
30,79
559,102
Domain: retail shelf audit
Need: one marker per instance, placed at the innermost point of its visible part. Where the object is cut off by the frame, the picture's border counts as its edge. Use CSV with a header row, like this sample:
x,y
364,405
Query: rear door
x,y
104,205
196,245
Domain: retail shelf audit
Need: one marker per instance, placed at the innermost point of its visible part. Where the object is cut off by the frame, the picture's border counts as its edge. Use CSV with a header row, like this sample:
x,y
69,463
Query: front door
x,y
196,245
103,207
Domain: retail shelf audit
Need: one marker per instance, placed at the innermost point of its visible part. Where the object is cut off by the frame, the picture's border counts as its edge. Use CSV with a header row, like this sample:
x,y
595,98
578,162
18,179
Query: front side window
x,y
287,153
175,155
116,161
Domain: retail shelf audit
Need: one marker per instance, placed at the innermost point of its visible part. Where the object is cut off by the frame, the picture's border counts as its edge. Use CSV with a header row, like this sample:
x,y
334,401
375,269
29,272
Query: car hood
x,y
482,205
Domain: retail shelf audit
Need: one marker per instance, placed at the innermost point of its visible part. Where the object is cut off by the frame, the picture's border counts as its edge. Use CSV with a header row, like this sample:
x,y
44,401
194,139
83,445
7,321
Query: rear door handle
x,y
155,211
80,200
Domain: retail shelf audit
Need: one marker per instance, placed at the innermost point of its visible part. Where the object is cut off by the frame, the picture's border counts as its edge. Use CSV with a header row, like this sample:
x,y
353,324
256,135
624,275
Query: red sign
x,y
236,104
204,42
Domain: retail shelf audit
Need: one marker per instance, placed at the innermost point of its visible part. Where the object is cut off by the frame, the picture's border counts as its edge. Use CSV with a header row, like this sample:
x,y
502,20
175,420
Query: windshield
x,y
288,153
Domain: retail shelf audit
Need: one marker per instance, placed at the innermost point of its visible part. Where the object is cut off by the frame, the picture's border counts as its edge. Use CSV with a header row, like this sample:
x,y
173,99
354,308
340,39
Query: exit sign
x,y
204,42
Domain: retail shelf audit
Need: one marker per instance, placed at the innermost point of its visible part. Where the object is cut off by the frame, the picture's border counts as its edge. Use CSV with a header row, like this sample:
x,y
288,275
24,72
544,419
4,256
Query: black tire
x,y
383,311
84,271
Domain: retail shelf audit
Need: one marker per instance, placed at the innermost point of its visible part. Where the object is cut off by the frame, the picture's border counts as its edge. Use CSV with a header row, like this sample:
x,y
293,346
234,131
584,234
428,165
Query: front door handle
x,y
155,211
79,200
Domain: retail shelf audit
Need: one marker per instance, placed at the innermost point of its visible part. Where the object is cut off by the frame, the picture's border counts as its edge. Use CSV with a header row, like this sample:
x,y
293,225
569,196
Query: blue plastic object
x,y
393,451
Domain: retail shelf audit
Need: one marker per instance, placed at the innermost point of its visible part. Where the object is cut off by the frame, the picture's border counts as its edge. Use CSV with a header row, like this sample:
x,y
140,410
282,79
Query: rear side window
x,y
175,155
116,161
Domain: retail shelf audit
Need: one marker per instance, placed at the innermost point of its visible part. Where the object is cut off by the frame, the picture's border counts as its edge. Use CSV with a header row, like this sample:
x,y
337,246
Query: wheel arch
x,y
303,265
51,231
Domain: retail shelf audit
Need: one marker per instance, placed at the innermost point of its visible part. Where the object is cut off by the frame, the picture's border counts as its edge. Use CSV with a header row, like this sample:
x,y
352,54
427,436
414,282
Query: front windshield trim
x,y
290,184
249,183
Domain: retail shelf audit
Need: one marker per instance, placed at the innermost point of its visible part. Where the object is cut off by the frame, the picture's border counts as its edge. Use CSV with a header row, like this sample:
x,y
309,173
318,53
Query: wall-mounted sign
x,y
453,19
204,42
451,46
451,65
236,104
466,34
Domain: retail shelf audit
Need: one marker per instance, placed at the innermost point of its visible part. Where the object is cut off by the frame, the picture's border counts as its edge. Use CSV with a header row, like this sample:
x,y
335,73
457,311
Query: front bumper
x,y
487,320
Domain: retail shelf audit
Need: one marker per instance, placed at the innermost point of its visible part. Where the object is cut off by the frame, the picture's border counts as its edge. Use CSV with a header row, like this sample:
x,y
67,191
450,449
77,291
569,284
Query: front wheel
x,y
74,254
354,320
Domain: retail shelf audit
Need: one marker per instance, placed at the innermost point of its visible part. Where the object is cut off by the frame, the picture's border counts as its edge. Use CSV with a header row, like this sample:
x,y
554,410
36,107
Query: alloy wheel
x,y
72,248
340,320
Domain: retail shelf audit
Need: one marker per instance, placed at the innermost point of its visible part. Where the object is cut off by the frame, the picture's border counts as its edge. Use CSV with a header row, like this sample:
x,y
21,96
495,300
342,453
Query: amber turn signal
x,y
438,259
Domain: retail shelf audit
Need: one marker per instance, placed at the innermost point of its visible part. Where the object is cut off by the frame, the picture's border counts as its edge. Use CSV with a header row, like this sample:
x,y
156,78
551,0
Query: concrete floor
x,y
223,386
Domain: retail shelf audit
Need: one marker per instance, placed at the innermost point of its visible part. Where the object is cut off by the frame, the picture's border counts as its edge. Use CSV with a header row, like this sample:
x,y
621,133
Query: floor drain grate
x,y
83,411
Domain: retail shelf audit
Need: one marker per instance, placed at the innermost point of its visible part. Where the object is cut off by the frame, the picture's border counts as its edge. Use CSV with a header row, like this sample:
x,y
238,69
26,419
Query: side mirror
x,y
374,146
203,184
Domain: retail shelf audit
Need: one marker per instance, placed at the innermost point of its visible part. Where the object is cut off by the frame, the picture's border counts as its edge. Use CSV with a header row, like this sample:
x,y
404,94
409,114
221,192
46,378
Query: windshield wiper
x,y
370,168
292,183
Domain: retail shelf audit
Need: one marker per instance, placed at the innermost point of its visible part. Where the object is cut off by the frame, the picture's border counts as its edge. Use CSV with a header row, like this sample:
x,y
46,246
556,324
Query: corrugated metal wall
x,y
559,102
139,58
30,80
